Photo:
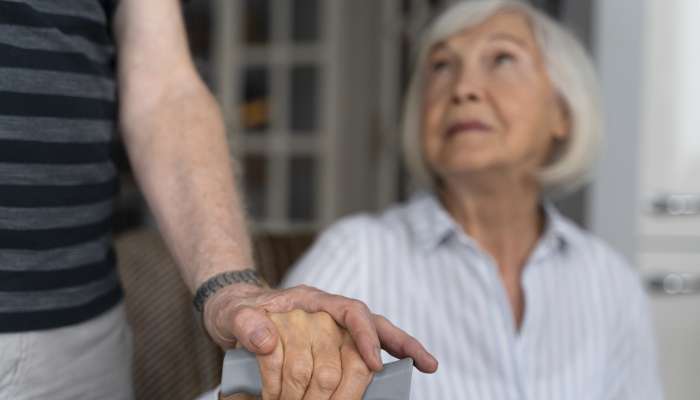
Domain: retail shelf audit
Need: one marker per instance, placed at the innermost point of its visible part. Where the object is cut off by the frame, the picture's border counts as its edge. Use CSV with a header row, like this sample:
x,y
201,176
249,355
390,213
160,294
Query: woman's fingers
x,y
239,397
298,365
270,366
327,340
356,375
401,345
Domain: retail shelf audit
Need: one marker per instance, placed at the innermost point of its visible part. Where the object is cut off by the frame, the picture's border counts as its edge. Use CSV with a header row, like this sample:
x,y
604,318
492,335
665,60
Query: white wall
x,y
671,120
614,202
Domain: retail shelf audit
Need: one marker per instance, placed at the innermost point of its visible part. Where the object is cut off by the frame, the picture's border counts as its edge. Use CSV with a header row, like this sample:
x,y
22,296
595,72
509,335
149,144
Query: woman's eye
x,y
503,58
439,65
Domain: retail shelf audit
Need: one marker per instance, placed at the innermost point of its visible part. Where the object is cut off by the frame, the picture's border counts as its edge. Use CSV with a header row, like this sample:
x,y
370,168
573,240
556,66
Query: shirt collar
x,y
558,233
432,225
429,221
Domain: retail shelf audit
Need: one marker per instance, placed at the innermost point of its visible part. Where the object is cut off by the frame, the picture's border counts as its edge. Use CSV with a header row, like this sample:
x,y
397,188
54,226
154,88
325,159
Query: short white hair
x,y
570,70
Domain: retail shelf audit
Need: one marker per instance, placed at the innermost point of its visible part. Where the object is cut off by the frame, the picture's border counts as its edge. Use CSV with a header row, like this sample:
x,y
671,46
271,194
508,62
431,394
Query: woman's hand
x,y
314,359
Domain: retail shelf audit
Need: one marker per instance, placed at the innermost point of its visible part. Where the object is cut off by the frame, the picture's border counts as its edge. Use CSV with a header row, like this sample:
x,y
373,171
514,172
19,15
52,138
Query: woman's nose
x,y
467,88
465,97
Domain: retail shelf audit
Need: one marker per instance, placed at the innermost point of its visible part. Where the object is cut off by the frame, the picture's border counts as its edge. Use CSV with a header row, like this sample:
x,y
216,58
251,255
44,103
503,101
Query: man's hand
x,y
239,312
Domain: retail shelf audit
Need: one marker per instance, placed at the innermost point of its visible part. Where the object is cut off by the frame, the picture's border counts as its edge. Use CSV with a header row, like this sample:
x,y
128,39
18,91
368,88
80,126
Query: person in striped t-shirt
x,y
516,301
69,71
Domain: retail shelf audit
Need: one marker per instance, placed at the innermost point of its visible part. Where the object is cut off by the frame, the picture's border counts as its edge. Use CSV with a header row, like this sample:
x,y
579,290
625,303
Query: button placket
x,y
489,270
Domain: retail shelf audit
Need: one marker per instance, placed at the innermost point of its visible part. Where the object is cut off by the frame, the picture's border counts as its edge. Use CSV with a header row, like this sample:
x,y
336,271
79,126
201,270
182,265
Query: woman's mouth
x,y
468,126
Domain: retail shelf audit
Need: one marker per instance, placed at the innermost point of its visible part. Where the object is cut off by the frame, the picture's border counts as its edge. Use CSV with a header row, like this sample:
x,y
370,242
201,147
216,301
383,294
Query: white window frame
x,y
277,144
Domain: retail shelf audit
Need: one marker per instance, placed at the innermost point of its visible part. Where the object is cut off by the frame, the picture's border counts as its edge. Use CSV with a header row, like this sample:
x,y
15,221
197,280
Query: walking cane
x,y
240,374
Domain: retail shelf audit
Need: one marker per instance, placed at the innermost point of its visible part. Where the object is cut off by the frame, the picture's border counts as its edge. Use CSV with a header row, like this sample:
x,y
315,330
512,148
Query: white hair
x,y
569,68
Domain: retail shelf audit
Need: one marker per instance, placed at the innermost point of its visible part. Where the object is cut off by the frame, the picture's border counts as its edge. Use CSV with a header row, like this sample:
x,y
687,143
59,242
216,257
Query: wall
x,y
614,200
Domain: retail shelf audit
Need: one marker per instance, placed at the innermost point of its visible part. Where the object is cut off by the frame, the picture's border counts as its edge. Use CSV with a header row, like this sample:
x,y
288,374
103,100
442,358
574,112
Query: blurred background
x,y
311,91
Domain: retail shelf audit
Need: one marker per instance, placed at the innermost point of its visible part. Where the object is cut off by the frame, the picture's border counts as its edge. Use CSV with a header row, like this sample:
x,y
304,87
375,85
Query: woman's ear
x,y
561,119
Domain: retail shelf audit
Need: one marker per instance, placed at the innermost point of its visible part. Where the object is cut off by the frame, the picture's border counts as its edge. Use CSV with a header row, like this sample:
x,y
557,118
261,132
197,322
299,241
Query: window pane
x,y
256,21
302,189
305,20
304,98
255,107
255,178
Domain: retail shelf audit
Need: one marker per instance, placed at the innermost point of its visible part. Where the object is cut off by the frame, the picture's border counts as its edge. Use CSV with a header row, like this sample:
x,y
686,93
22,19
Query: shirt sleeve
x,y
334,263
633,368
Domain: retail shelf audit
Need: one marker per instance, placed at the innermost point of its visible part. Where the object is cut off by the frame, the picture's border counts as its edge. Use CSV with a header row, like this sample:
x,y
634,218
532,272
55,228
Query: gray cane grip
x,y
240,374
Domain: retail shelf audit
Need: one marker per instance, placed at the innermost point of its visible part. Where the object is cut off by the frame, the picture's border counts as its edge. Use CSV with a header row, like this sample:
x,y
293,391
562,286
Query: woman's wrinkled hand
x,y
314,359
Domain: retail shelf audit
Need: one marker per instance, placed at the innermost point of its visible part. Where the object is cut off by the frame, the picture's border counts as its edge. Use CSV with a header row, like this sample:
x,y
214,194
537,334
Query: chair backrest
x,y
173,357
275,253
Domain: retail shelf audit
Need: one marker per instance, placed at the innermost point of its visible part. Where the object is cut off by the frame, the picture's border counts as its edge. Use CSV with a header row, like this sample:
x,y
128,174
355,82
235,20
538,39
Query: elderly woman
x,y
516,301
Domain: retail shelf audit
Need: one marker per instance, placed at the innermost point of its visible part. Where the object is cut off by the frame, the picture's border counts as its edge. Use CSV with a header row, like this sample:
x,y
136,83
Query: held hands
x,y
314,359
302,350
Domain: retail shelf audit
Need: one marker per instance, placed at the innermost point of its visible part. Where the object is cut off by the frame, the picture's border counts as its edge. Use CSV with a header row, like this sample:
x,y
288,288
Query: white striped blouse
x,y
586,330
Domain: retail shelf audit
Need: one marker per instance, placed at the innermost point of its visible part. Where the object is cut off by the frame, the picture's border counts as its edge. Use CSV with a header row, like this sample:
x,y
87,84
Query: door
x,y
669,188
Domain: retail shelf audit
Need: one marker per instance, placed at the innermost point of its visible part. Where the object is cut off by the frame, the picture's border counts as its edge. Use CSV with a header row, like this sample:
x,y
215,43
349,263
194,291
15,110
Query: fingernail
x,y
435,362
378,355
260,337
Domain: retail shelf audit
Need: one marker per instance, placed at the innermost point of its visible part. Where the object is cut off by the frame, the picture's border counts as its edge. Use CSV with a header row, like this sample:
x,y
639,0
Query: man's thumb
x,y
254,330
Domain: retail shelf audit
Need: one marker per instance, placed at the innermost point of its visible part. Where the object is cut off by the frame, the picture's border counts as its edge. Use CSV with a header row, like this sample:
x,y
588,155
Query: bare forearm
x,y
175,138
178,149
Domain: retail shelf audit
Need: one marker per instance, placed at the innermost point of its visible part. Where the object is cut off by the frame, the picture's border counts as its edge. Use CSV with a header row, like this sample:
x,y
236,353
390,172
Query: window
x,y
275,77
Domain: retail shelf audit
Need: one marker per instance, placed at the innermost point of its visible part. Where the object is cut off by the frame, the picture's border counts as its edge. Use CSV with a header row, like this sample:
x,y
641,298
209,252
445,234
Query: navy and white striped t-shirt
x,y
585,334
57,177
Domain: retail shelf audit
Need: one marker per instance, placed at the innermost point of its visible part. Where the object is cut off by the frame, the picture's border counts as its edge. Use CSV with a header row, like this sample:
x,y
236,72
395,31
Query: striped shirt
x,y
585,333
57,177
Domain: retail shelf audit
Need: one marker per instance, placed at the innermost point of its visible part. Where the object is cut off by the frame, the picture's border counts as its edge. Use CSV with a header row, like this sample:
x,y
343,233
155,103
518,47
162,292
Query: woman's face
x,y
488,104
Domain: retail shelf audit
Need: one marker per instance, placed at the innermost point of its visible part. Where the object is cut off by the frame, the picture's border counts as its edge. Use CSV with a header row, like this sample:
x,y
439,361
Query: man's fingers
x,y
354,316
401,345
356,375
253,329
